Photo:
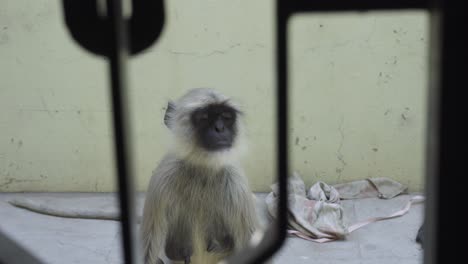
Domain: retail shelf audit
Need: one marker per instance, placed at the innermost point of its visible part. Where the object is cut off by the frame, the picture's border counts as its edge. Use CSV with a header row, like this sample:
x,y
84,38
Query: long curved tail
x,y
47,209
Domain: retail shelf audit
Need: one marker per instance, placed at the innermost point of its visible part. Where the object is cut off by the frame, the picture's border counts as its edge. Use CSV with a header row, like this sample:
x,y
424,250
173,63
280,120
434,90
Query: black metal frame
x,y
448,59
115,37
12,252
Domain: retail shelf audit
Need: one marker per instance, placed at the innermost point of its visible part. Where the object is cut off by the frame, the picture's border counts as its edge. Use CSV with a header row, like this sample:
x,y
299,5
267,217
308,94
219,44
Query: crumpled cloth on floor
x,y
317,215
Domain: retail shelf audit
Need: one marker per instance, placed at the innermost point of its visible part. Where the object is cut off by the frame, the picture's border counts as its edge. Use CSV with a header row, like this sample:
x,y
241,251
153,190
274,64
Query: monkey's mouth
x,y
223,144
219,145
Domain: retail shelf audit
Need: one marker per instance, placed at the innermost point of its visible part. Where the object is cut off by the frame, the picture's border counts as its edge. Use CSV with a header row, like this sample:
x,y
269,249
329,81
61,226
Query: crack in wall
x,y
220,51
339,154
203,55
9,181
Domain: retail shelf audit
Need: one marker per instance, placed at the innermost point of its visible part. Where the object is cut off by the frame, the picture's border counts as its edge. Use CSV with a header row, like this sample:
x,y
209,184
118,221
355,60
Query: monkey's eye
x,y
201,116
227,115
204,116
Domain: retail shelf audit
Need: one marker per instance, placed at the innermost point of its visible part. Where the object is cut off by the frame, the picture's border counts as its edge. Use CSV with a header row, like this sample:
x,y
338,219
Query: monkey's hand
x,y
222,245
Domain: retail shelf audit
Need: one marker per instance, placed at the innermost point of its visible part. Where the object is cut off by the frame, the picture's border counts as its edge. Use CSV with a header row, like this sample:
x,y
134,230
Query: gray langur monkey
x,y
198,207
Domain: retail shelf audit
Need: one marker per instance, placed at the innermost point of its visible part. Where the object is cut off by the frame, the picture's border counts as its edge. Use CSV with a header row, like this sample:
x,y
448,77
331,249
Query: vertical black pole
x,y
444,236
282,14
432,142
275,235
118,56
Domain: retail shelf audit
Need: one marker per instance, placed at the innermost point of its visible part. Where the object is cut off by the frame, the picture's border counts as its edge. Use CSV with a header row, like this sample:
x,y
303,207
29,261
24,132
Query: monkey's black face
x,y
215,126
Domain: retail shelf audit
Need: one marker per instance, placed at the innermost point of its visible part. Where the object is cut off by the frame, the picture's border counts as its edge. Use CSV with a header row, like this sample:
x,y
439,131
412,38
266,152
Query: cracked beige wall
x,y
359,87
358,93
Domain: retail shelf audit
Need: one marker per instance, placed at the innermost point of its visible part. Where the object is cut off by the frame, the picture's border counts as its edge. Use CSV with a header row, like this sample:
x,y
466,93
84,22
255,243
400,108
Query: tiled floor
x,y
62,240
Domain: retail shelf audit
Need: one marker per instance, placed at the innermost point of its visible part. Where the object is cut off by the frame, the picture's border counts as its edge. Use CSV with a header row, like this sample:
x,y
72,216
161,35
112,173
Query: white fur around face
x,y
183,140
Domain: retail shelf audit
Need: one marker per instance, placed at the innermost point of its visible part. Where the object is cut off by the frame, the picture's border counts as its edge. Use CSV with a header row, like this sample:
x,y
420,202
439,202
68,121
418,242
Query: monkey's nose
x,y
219,126
219,129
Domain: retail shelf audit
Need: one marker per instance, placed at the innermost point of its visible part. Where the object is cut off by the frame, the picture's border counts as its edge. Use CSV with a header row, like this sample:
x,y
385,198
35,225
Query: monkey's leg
x,y
179,243
221,244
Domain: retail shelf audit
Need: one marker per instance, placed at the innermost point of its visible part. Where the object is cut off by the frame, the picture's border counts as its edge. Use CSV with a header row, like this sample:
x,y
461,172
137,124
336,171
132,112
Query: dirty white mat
x,y
66,240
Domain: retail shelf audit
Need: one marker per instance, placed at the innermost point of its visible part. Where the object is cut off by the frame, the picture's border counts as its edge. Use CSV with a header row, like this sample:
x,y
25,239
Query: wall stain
x,y
10,181
4,38
405,115
339,154
28,27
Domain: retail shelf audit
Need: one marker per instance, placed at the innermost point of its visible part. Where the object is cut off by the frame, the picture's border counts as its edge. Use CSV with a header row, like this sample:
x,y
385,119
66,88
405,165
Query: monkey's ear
x,y
169,112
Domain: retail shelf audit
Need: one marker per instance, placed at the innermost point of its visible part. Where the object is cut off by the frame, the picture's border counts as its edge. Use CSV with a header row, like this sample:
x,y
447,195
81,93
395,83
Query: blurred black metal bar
x,y
93,30
11,252
109,38
432,142
444,229
274,239
282,125
108,35
118,52
299,6
275,236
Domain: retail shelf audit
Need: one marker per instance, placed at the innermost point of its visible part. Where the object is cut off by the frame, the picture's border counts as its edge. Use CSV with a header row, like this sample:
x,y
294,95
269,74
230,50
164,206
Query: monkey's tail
x,y
45,208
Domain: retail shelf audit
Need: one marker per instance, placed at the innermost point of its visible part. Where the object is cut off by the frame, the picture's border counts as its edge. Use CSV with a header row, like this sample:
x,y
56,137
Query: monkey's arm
x,y
152,228
154,223
245,221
